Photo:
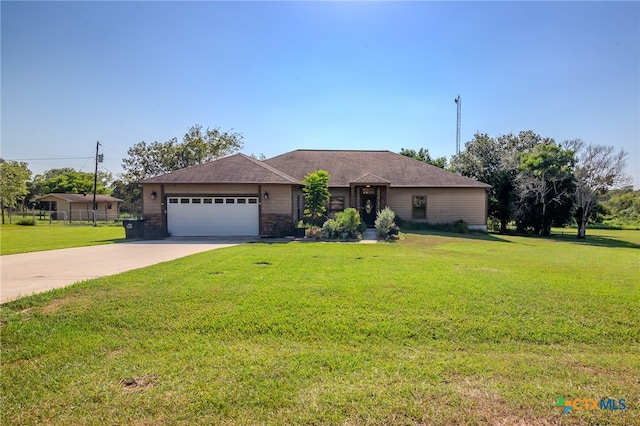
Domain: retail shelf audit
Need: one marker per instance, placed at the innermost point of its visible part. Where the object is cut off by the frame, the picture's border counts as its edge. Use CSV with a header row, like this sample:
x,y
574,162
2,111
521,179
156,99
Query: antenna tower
x,y
459,105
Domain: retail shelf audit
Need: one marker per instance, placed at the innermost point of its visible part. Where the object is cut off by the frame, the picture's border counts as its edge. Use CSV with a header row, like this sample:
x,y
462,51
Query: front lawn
x,y
433,329
24,239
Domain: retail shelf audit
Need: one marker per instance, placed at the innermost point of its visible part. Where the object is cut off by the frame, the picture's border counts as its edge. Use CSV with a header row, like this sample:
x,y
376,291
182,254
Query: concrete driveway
x,y
29,273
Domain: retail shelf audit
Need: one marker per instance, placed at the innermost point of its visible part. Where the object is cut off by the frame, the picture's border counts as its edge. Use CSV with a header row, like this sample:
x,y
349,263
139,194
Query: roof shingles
x,y
344,168
237,168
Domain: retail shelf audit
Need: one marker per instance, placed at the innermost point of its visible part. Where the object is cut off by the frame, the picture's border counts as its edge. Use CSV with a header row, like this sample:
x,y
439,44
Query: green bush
x,y
26,222
348,220
329,230
459,227
385,222
347,224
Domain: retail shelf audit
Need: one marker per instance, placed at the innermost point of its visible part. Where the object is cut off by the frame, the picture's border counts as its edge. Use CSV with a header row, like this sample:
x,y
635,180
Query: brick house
x,y
241,196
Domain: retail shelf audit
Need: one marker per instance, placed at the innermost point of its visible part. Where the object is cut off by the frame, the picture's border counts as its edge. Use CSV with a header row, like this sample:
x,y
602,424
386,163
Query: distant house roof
x,y
237,168
79,198
347,167
344,167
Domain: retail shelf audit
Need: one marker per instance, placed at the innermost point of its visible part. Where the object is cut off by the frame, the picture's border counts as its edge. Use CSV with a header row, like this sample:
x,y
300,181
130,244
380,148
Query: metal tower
x,y
459,105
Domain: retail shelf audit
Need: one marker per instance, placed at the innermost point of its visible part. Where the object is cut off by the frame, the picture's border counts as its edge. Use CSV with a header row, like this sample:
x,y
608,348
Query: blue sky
x,y
332,75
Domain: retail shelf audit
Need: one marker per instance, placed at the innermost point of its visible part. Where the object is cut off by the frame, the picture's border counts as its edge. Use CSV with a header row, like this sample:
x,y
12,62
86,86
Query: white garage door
x,y
212,216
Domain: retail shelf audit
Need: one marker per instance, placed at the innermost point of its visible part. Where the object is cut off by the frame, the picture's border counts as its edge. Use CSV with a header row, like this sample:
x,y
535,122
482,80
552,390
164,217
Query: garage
x,y
212,216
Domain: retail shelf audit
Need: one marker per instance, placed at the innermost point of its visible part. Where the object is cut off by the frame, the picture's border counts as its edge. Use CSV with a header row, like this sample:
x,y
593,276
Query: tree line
x,y
537,183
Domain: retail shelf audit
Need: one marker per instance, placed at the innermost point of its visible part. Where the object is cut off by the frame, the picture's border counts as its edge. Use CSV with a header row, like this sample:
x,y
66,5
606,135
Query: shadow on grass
x,y
471,236
594,240
112,240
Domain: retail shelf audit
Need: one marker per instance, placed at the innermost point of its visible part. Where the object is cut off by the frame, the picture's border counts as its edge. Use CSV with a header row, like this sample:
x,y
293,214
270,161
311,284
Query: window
x,y
253,201
184,200
419,207
368,190
231,200
242,200
173,201
219,200
207,200
336,204
196,201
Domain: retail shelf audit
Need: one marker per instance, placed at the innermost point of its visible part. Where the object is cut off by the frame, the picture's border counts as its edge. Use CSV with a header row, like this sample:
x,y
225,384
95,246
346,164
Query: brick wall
x,y
276,224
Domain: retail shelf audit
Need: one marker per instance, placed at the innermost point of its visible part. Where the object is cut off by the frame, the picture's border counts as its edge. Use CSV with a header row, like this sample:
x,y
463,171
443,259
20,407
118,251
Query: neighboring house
x,y
72,207
241,196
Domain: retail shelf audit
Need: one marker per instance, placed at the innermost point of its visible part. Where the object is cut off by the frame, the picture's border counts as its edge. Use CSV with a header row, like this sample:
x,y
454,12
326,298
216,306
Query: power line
x,y
48,159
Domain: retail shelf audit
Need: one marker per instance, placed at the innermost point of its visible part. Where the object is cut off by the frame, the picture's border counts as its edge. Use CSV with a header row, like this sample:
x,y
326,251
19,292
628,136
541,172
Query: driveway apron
x,y
29,273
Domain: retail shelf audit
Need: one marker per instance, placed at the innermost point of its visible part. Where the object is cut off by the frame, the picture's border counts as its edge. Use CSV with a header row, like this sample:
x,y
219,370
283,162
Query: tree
x,y
423,155
69,181
13,183
492,161
545,184
157,158
130,193
622,205
146,160
598,168
497,161
316,194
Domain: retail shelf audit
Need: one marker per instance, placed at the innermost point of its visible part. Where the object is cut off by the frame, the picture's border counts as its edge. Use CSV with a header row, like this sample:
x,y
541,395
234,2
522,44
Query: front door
x,y
368,209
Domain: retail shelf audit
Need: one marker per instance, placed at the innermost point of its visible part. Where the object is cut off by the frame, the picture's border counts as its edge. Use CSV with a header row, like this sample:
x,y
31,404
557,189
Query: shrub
x,y
26,222
348,221
346,224
329,229
385,221
460,227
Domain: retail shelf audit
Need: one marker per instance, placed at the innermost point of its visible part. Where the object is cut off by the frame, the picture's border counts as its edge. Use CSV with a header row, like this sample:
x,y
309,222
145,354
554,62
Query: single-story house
x,y
72,207
241,196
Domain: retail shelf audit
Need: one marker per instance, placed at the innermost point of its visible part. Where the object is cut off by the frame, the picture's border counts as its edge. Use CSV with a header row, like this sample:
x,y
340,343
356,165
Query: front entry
x,y
368,209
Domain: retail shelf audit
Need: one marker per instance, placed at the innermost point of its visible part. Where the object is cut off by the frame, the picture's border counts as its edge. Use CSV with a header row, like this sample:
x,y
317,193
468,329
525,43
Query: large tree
x,y
197,147
497,161
13,183
492,161
546,186
423,155
598,169
157,158
69,181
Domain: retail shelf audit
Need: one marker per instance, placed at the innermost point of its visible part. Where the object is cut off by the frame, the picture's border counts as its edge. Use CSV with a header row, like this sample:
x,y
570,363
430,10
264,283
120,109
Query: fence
x,y
68,216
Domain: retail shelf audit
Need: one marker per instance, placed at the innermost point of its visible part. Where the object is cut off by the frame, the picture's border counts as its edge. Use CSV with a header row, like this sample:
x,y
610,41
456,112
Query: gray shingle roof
x,y
80,198
344,167
237,168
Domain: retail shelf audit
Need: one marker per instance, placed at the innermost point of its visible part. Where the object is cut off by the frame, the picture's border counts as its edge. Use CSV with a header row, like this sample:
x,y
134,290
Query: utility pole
x,y
95,183
459,116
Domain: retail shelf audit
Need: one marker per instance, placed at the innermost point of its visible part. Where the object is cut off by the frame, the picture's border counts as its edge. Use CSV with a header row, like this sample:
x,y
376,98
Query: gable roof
x,y
347,167
237,168
370,178
80,198
344,167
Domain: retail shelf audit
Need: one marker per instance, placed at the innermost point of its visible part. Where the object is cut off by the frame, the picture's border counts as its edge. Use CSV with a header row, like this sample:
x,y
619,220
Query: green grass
x,y
24,239
433,329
